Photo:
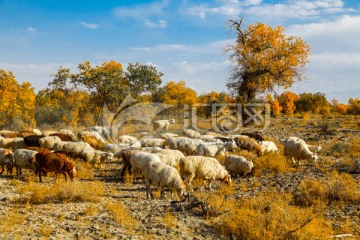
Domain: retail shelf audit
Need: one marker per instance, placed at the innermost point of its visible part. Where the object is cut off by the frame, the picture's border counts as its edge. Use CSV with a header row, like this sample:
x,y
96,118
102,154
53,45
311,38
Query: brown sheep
x,y
53,162
32,140
26,133
95,143
249,144
9,134
63,136
39,149
6,159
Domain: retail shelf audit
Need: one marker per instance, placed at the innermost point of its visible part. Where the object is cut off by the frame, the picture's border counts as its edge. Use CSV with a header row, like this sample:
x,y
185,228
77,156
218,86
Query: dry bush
x,y
306,117
270,216
121,215
84,170
271,163
334,187
354,148
37,193
11,221
91,210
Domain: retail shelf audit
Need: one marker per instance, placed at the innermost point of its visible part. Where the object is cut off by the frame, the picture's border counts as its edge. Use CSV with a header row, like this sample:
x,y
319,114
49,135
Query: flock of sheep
x,y
165,159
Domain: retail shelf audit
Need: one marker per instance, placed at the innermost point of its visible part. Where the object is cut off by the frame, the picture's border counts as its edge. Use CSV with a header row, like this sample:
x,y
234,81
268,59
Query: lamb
x,y
297,149
152,142
217,149
139,159
53,162
191,133
23,158
48,142
268,146
238,165
162,124
162,175
206,168
6,159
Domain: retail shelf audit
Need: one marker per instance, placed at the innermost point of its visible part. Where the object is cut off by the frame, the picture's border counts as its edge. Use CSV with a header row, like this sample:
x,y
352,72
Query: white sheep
x,y
6,159
152,142
117,148
96,157
188,146
268,147
23,158
139,159
12,143
191,133
162,124
172,142
162,175
152,149
167,135
37,132
48,142
205,168
176,154
168,160
127,139
215,149
59,146
47,133
238,165
297,149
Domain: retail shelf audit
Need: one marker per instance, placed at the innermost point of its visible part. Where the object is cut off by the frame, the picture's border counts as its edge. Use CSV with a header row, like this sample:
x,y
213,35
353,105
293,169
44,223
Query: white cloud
x,y
141,11
31,29
341,35
159,24
283,10
89,25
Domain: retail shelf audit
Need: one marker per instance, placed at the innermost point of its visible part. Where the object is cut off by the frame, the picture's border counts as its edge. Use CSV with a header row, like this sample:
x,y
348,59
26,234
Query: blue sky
x,y
184,39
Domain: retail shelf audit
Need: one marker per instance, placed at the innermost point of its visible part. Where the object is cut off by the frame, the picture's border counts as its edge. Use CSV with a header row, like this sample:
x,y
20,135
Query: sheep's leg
x,y
162,193
65,176
148,189
40,177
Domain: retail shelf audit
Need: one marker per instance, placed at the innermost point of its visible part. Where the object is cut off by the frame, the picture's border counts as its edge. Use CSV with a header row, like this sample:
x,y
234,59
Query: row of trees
x,y
263,58
77,99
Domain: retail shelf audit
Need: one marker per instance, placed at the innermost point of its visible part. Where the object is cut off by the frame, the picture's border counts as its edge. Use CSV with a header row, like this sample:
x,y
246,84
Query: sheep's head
x,y
314,157
72,173
227,179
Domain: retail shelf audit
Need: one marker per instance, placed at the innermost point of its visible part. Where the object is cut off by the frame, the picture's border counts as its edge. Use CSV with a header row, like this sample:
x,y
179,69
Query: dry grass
x,y
269,216
121,215
334,187
36,193
271,163
11,221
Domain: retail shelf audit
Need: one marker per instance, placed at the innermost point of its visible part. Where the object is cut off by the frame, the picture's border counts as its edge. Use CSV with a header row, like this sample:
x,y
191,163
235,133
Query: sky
x,y
184,39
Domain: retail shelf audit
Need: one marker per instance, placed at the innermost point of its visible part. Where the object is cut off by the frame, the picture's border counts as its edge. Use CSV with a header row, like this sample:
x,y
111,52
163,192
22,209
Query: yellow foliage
x,y
178,94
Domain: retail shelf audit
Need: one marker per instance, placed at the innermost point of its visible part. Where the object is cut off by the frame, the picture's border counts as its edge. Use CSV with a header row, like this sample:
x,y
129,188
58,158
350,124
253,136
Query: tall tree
x,y
17,102
142,78
105,83
264,58
176,94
